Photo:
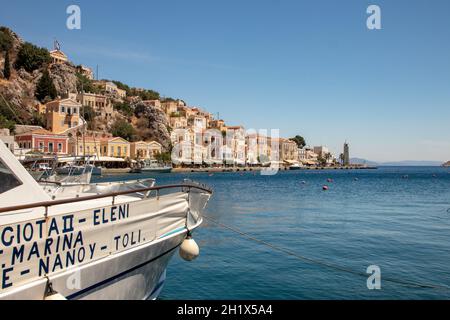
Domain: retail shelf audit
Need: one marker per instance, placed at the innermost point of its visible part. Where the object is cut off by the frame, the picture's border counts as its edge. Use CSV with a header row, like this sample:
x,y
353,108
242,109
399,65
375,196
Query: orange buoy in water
x,y
325,188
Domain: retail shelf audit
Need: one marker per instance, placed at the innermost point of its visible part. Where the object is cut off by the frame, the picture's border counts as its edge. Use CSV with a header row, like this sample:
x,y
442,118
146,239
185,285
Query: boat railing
x,y
185,187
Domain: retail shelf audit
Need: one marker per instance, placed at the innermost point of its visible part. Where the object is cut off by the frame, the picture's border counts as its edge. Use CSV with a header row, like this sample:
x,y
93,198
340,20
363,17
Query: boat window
x,y
8,179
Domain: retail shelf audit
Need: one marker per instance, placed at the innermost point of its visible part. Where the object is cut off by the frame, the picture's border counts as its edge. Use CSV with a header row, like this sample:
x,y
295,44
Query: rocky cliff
x,y
19,93
152,124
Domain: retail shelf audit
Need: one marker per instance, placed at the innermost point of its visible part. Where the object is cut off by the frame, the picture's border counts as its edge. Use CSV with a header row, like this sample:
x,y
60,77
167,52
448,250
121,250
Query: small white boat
x,y
91,241
155,166
295,166
70,169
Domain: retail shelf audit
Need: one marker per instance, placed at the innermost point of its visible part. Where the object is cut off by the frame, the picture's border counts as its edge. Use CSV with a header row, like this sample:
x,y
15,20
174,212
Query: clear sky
x,y
305,67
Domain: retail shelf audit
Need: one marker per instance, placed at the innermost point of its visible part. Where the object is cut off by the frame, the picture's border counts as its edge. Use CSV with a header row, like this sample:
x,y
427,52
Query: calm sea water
x,y
400,225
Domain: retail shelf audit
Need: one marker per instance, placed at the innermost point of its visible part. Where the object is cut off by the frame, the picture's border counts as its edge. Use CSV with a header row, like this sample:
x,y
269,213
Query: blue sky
x,y
305,67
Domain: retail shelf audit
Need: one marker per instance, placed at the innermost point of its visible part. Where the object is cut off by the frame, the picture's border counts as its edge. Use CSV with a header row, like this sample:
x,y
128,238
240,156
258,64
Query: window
x,y
112,151
8,179
50,147
119,151
59,147
63,109
41,146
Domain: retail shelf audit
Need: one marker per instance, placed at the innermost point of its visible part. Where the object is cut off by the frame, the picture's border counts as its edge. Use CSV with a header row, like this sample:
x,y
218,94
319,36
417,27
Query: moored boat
x,y
91,241
155,166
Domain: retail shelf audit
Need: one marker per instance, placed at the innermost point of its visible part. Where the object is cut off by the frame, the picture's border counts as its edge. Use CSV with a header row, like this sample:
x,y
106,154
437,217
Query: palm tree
x,y
328,156
341,158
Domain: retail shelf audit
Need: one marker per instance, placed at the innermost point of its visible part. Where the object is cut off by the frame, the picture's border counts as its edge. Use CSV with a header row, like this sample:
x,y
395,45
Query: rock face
x,y
447,164
153,124
64,78
19,90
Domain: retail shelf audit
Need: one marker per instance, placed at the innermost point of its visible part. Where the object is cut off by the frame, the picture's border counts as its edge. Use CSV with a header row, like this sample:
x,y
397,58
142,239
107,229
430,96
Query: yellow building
x,y
89,146
40,108
101,105
115,147
62,114
145,150
58,56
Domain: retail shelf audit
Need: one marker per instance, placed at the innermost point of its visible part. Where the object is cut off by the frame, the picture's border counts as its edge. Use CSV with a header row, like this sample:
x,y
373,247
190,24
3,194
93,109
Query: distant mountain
x,y
405,163
412,163
363,161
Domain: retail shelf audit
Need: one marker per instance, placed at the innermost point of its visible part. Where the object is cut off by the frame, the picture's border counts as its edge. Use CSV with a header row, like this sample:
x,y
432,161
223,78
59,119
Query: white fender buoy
x,y
55,296
189,249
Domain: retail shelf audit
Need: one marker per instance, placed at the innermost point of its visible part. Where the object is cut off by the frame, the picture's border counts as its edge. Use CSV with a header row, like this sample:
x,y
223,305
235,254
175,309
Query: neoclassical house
x,y
145,150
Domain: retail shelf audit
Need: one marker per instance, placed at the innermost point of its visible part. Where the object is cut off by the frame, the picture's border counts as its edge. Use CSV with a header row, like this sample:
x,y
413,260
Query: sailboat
x,y
92,241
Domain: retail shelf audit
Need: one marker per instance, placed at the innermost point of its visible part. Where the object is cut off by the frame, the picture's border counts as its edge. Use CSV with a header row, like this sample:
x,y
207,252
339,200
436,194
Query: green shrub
x,y
123,129
31,57
6,39
124,108
85,84
45,88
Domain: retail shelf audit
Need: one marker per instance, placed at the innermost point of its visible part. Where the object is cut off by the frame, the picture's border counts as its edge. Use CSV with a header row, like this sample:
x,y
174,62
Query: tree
x,y
124,108
341,158
7,68
6,39
84,84
322,161
88,113
123,129
6,123
327,157
299,140
164,157
31,57
38,119
45,88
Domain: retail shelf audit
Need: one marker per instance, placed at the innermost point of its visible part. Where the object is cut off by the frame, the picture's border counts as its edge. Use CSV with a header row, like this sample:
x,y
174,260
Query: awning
x,y
110,159
309,162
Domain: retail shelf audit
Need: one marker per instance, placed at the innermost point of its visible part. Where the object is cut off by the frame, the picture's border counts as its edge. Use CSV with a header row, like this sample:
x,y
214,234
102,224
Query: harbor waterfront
x,y
397,218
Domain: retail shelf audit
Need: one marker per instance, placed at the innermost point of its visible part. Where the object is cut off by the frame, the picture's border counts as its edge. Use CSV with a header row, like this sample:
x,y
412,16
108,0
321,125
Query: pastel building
x,y
145,150
58,56
86,71
8,139
115,147
43,141
101,104
87,146
234,145
62,115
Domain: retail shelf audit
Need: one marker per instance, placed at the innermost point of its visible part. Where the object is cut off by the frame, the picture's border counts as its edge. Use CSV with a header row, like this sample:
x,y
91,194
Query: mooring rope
x,y
324,263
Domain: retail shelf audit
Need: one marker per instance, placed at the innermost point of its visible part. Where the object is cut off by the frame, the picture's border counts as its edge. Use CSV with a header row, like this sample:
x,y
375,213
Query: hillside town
x,y
196,138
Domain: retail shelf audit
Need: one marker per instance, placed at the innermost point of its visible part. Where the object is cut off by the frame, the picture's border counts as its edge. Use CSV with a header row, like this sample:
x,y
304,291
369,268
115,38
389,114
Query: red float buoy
x,y
325,188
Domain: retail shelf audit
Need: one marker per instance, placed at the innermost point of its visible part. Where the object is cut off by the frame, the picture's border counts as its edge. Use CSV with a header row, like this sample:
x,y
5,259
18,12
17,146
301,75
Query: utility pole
x,y
84,127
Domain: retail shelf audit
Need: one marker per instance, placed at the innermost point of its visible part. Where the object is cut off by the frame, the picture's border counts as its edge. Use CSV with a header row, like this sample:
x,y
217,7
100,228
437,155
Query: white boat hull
x,y
137,274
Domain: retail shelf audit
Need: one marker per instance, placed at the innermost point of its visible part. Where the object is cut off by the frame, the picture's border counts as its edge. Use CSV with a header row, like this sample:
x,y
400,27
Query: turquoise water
x,y
367,217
